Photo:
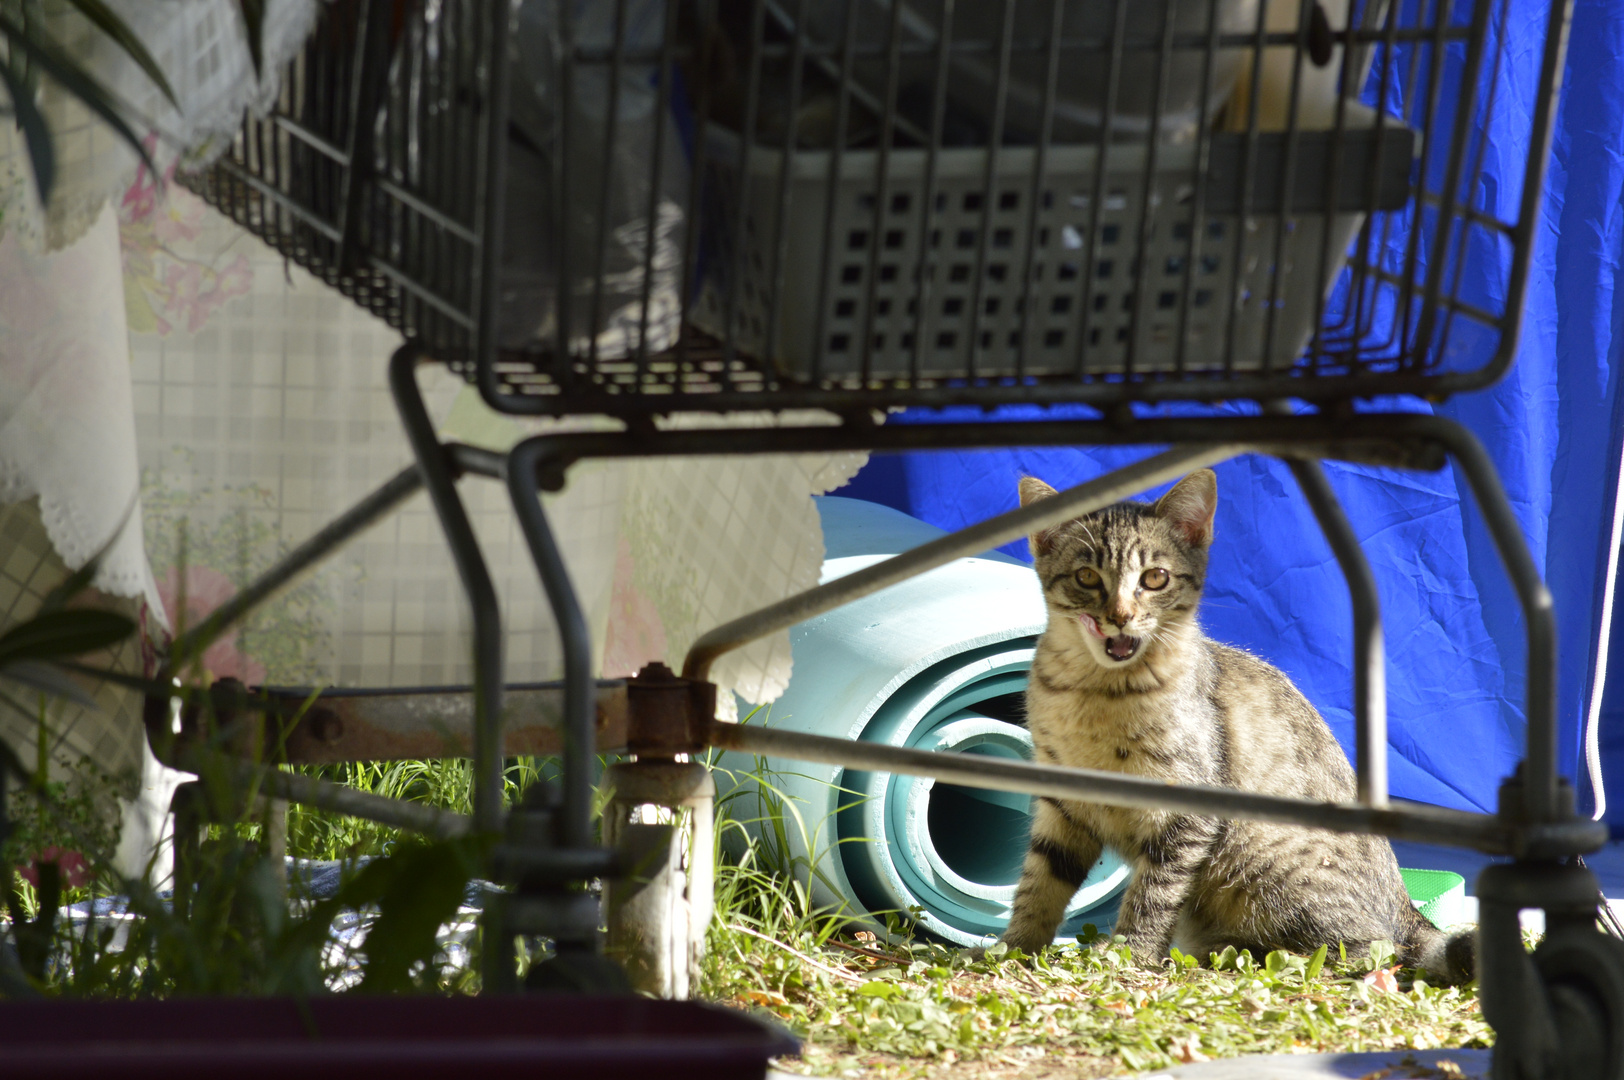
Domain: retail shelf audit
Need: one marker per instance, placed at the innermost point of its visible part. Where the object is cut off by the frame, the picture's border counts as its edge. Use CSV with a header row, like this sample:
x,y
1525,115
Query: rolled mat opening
x,y
955,853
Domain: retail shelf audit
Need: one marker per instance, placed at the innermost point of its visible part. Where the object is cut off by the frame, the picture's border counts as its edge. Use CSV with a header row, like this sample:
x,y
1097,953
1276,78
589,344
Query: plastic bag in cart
x,y
624,222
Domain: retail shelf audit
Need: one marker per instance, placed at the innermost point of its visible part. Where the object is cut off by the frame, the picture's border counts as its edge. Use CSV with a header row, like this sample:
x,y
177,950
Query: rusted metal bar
x,y
430,722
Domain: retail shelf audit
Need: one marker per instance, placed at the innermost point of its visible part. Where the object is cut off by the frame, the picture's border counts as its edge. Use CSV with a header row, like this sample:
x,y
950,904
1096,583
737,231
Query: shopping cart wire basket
x,y
656,205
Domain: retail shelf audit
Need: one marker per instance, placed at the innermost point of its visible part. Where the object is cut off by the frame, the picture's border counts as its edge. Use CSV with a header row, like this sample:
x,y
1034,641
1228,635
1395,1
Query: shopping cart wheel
x,y
1557,1014
1582,970
660,821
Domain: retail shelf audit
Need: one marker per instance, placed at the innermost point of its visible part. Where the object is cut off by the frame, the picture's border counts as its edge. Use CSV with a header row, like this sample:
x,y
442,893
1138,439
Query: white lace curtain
x,y
66,432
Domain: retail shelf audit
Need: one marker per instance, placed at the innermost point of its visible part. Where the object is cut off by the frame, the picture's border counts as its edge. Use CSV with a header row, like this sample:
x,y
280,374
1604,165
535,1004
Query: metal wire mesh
x,y
629,206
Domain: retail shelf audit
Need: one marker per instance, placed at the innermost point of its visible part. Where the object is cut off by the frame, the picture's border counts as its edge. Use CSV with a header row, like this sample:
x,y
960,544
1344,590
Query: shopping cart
x,y
642,208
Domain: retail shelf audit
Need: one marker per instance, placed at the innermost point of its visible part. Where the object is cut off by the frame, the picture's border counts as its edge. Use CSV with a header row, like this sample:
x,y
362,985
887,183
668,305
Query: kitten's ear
x,y
1190,506
1033,489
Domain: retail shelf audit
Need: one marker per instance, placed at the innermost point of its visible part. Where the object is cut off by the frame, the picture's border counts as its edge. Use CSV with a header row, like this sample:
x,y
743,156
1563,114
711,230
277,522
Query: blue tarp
x,y
1455,638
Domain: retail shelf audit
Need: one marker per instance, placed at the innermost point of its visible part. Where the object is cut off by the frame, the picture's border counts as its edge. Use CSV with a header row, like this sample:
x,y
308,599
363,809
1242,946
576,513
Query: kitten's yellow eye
x,y
1155,578
1088,577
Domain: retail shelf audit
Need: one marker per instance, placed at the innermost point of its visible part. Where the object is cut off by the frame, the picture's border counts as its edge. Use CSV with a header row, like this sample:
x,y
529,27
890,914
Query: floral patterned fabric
x,y
164,288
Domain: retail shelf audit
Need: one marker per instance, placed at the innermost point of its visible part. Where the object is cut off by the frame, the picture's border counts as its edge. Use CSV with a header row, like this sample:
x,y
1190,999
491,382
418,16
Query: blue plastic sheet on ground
x,y
1455,635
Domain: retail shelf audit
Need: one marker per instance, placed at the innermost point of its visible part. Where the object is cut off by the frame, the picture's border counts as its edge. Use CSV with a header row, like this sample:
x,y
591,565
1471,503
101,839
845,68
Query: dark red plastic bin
x,y
388,1038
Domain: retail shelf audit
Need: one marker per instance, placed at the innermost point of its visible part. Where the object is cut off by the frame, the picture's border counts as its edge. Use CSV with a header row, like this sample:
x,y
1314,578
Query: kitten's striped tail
x,y
1445,959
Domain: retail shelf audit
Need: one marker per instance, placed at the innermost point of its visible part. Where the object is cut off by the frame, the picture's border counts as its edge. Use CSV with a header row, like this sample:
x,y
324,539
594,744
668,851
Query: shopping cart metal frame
x,y
316,196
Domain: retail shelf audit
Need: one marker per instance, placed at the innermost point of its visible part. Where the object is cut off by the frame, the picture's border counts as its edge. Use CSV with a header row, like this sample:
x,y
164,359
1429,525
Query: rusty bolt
x,y
655,673
667,714
325,725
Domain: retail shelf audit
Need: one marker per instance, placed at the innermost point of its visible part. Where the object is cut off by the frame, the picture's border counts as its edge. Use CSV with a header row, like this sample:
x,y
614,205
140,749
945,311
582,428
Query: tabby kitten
x,y
1125,680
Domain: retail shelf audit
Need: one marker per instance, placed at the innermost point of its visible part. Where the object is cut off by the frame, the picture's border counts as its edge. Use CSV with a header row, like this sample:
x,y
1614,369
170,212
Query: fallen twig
x,y
797,953
870,952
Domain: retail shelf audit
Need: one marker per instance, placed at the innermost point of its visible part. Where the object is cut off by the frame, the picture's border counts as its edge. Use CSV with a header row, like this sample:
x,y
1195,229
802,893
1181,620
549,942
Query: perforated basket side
x,y
944,292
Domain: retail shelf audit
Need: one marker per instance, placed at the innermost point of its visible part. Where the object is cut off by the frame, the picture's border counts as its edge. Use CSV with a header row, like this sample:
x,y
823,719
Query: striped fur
x,y
1125,680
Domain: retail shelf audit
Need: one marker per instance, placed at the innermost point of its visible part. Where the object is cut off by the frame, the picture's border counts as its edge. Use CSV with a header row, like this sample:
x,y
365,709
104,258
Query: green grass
x,y
907,1007
445,783
892,1006
914,1008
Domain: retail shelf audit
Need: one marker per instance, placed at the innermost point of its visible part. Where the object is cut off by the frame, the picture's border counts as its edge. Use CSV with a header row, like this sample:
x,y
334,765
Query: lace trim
x,y
93,165
123,571
210,130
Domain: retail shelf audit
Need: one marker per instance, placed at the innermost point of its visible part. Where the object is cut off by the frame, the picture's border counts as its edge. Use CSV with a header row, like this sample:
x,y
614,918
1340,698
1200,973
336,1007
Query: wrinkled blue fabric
x,y
1455,634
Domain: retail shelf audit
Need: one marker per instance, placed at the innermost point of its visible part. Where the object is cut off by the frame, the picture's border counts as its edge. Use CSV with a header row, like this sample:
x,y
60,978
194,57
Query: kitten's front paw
x,y
1030,944
1144,954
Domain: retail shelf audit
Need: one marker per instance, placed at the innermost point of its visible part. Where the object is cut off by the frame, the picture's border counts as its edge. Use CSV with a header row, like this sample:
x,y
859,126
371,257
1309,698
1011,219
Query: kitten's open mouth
x,y
1122,647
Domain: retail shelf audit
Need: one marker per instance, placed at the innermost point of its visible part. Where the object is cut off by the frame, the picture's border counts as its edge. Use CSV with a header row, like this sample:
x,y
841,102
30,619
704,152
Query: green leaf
x,y
63,633
71,586
75,81
34,937
1316,964
37,137
878,988
416,890
264,889
111,25
155,687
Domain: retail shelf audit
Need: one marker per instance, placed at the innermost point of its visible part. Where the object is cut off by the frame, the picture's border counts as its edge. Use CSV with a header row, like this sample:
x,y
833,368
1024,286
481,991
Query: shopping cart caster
x,y
1582,971
659,821
548,900
1558,1014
